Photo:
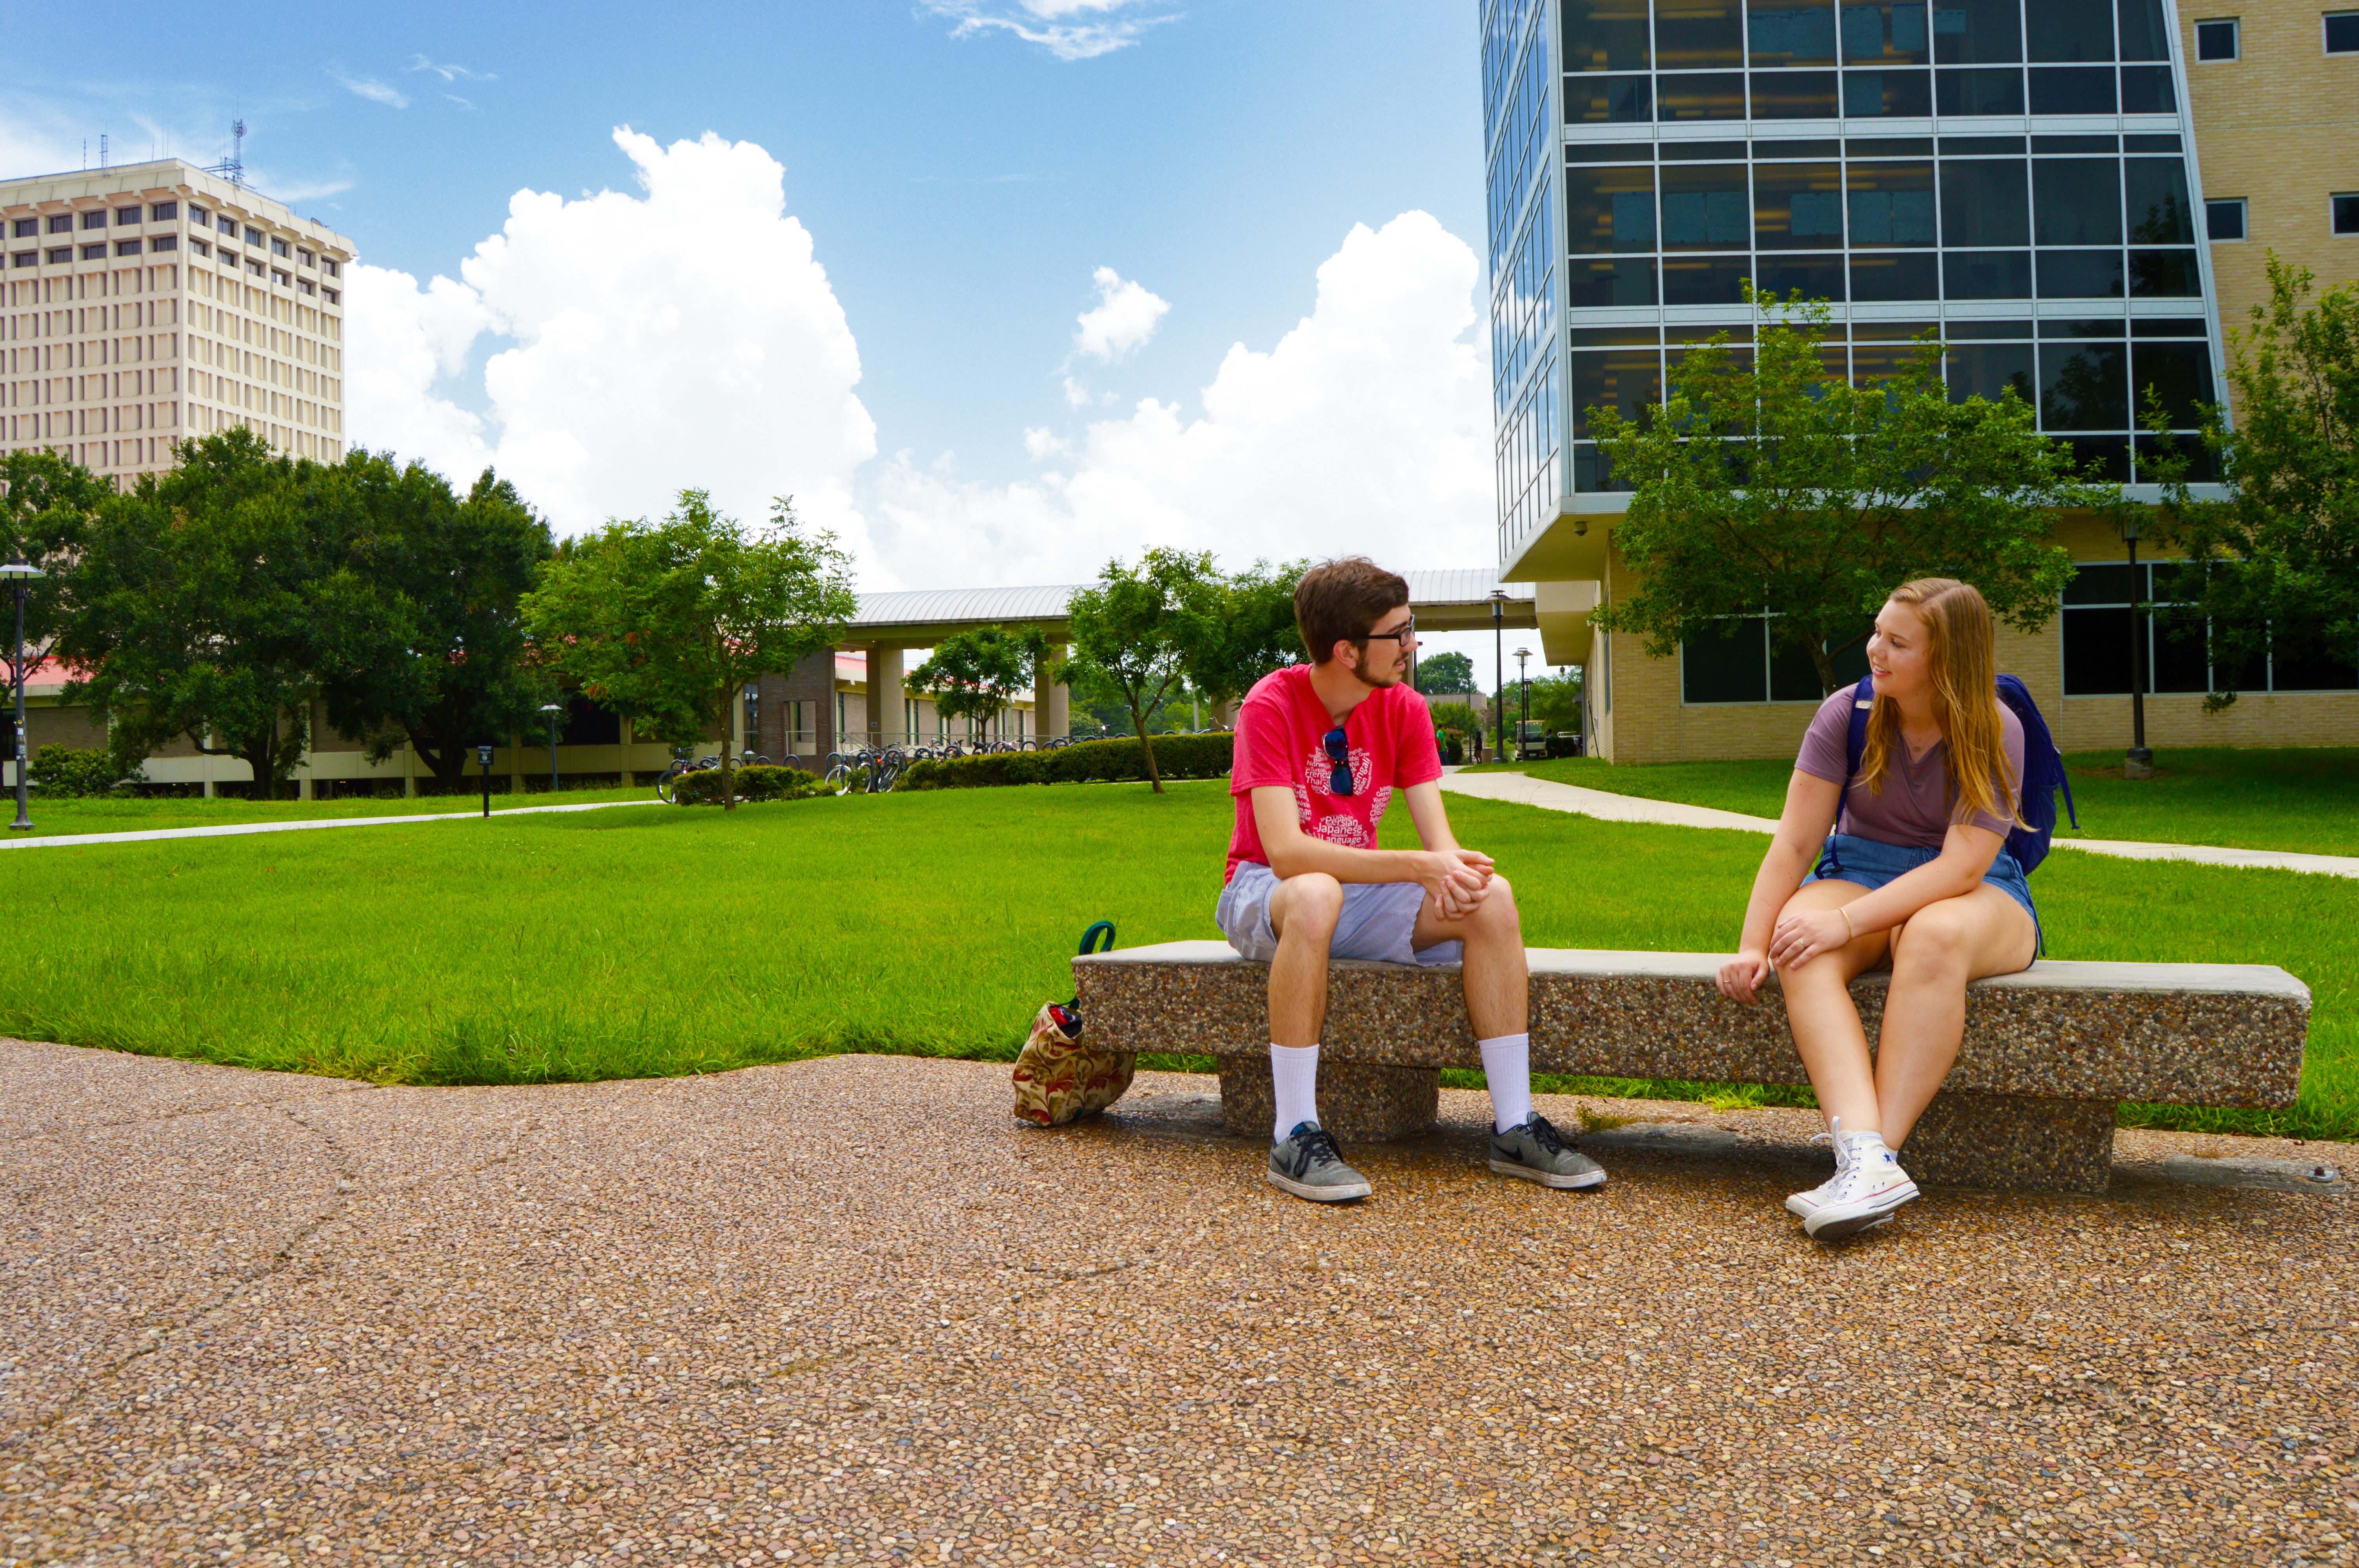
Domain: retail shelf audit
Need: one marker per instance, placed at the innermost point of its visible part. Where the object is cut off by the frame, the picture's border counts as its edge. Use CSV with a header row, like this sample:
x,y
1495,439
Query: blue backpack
x,y
2043,768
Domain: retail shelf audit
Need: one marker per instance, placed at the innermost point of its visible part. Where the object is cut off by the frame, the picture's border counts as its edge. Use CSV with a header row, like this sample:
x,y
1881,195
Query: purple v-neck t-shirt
x,y
1914,809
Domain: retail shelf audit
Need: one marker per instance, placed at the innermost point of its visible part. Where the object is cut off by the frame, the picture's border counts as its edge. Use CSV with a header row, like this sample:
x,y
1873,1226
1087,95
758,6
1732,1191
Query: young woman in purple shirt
x,y
1908,867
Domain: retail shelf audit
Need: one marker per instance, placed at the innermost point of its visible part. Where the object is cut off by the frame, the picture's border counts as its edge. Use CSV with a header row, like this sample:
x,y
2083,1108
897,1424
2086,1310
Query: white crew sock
x,y
1507,1070
1294,1074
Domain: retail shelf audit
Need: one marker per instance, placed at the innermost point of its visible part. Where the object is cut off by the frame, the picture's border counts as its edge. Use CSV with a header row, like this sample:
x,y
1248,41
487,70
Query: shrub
x,y
59,771
1176,757
755,783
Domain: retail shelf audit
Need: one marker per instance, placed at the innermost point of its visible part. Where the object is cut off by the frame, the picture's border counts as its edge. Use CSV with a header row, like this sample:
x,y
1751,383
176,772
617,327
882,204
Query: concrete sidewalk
x,y
1606,807
235,829
846,1311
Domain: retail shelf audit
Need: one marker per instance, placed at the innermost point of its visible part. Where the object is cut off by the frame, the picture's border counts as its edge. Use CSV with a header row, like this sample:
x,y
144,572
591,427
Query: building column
x,y
1052,705
884,695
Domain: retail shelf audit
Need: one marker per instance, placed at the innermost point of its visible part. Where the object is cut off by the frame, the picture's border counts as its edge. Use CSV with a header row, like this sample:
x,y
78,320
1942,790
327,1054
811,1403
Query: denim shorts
x,y
1378,922
1871,863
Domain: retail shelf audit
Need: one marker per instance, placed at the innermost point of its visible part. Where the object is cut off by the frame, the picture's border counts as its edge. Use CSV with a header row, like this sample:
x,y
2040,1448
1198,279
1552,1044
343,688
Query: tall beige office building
x,y
155,302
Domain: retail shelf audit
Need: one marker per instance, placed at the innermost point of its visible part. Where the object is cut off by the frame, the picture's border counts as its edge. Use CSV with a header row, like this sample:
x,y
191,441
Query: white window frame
x,y
2236,25
2332,199
2324,17
2244,209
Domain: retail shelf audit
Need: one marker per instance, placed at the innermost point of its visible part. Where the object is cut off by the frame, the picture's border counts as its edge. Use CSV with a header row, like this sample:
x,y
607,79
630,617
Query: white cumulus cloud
x,y
1124,319
1366,428
629,365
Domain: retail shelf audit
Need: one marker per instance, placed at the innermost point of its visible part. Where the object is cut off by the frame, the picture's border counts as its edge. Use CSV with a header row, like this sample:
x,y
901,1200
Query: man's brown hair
x,y
1339,601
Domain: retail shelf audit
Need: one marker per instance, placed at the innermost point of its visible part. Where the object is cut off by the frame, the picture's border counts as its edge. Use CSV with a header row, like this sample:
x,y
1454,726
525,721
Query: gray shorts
x,y
1378,922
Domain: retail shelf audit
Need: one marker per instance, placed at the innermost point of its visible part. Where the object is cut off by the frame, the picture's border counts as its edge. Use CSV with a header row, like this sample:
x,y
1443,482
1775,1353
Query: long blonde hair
x,y
1964,662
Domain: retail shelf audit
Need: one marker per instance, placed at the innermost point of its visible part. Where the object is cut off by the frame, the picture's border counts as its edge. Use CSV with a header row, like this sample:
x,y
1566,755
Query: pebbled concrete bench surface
x,y
2048,1056
2213,1034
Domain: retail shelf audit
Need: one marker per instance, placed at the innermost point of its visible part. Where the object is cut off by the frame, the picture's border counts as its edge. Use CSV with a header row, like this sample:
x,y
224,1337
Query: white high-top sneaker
x,y
1868,1186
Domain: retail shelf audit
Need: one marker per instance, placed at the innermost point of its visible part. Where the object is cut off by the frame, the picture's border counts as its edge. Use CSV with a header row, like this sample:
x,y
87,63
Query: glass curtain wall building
x,y
2015,176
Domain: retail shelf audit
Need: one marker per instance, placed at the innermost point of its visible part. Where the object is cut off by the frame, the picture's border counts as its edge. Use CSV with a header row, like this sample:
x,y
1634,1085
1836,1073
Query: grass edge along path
x,y
2303,800
603,944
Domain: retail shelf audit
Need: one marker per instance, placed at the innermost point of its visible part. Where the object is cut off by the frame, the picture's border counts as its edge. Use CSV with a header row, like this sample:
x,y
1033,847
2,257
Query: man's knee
x,y
1495,917
1308,906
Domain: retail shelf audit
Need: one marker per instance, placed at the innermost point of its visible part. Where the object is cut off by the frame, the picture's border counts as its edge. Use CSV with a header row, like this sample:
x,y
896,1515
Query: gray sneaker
x,y
1535,1151
1309,1165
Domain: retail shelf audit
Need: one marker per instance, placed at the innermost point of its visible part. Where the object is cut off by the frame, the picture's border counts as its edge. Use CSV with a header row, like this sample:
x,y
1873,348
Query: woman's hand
x,y
1742,975
1804,934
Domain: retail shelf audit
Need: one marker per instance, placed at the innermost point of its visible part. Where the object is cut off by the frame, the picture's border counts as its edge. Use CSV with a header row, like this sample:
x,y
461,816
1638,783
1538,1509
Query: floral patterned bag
x,y
1057,1078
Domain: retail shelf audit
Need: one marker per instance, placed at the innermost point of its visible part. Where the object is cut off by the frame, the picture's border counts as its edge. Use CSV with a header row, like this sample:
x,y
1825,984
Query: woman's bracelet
x,y
1849,934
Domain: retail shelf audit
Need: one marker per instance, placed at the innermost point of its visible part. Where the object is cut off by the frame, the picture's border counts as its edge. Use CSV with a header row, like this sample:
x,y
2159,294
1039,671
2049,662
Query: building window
x,y
305,284
2099,623
329,268
202,248
2218,40
253,236
62,224
95,220
306,257
126,247
277,246
1743,665
27,258
2225,219
199,217
165,243
61,255
227,225
27,227
164,212
93,253
331,296
279,278
2342,32
2345,214
254,267
126,216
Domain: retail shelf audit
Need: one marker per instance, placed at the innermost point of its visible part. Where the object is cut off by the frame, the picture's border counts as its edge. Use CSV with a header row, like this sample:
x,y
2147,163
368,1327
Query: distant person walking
x,y
1915,872
1321,750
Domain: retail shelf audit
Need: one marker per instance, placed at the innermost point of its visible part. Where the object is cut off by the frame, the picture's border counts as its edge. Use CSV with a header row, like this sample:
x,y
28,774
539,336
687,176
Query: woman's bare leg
x,y
1827,1031
1934,954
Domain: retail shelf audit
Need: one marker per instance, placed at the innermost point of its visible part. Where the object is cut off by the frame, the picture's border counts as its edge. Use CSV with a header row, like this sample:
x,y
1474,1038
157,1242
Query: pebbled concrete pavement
x,y
845,1311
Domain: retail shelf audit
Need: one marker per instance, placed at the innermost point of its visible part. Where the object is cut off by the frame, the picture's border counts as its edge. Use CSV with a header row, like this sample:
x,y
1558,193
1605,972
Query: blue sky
x,y
960,183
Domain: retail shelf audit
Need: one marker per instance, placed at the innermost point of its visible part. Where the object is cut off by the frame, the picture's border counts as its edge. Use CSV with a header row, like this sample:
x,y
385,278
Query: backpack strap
x,y
1862,698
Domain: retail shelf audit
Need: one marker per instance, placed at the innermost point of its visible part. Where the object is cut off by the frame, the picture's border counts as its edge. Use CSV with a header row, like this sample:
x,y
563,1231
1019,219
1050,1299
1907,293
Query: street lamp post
x,y
2139,763
1524,701
19,573
1499,667
553,711
483,755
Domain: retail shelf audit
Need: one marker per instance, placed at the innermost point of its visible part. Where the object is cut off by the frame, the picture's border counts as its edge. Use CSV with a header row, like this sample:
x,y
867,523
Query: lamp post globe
x,y
18,573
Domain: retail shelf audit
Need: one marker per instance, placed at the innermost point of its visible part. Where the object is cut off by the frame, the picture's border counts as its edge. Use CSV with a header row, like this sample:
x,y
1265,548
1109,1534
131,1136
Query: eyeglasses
x,y
1339,751
1403,635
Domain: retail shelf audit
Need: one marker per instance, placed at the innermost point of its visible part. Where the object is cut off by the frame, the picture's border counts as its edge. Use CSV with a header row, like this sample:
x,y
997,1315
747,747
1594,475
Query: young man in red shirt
x,y
1321,749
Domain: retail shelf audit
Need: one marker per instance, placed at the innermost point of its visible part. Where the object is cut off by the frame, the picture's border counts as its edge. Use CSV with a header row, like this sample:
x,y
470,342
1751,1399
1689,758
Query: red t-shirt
x,y
1279,734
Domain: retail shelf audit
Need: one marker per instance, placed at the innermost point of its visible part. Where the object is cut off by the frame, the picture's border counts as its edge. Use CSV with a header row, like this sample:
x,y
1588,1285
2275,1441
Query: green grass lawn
x,y
129,814
2305,800
638,942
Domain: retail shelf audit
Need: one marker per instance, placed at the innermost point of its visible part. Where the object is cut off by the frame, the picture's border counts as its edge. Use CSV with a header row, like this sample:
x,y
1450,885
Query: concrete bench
x,y
2049,1054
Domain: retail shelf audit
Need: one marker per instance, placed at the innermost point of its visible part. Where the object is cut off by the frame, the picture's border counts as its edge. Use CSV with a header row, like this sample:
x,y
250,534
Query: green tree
x,y
197,607
2274,563
45,503
1134,628
665,622
1238,629
1556,702
1445,673
976,675
1457,718
431,644
1775,485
